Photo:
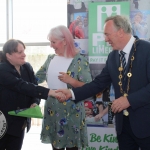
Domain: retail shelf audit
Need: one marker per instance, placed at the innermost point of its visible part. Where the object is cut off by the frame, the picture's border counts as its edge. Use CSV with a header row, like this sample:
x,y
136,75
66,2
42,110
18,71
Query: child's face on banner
x,y
88,111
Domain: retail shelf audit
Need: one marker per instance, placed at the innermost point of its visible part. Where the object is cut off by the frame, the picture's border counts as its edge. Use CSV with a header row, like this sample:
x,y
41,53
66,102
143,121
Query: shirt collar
x,y
128,47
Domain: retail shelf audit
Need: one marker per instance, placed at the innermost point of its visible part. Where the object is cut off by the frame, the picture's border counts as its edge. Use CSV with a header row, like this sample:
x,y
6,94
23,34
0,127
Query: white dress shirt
x,y
127,48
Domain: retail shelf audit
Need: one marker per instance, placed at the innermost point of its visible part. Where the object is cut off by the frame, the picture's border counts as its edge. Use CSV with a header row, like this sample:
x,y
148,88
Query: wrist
x,y
51,93
71,81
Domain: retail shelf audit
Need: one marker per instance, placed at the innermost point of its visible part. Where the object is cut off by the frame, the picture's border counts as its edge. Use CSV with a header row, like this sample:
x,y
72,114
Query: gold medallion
x,y
110,103
125,94
120,68
125,112
120,76
120,83
129,74
132,58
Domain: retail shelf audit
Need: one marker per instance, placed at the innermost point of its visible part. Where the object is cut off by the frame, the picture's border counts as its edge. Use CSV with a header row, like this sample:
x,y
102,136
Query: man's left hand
x,y
120,104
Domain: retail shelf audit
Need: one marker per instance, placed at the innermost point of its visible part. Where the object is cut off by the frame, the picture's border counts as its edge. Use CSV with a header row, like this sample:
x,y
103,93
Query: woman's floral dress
x,y
64,123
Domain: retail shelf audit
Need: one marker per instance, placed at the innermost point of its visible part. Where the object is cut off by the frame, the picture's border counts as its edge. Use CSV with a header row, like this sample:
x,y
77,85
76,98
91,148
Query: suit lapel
x,y
128,64
117,58
130,55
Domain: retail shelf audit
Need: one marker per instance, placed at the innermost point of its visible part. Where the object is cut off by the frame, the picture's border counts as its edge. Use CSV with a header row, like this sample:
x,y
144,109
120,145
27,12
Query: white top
x,y
57,64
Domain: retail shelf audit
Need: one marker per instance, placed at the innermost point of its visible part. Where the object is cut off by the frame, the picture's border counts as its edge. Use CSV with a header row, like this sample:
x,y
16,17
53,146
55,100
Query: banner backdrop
x,y
98,12
89,39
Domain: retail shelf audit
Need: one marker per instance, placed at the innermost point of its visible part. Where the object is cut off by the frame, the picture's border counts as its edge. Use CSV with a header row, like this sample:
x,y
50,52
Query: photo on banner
x,y
77,16
140,21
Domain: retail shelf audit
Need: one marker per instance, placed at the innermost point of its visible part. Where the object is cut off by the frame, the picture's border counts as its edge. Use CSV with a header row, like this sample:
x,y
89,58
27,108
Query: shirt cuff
x,y
72,95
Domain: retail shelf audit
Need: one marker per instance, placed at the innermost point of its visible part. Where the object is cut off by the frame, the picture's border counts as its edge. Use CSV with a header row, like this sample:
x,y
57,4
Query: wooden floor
x,y
32,140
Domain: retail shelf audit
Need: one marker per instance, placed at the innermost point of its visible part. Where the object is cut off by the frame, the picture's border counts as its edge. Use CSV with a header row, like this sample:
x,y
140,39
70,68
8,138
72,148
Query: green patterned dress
x,y
64,123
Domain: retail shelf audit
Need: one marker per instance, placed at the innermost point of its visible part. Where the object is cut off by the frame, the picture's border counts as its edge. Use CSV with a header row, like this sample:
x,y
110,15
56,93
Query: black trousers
x,y
128,141
10,142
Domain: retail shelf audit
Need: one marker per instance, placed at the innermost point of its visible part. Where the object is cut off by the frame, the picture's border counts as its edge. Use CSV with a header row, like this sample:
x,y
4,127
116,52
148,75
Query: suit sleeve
x,y
34,81
9,80
102,81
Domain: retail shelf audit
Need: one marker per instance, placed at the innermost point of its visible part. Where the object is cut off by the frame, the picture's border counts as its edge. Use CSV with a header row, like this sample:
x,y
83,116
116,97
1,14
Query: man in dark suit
x,y
131,85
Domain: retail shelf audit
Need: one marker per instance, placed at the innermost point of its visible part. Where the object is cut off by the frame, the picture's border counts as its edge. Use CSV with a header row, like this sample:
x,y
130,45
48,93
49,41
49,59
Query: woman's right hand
x,y
64,77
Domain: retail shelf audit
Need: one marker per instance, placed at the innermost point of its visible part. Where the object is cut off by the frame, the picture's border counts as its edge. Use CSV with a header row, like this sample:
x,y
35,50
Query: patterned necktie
x,y
123,60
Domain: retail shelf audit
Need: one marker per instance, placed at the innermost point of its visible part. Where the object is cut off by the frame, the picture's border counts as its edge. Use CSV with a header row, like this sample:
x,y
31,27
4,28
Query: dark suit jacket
x,y
18,92
139,93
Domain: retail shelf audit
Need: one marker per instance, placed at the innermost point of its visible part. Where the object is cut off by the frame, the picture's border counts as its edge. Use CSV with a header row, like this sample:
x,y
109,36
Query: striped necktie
x,y
123,60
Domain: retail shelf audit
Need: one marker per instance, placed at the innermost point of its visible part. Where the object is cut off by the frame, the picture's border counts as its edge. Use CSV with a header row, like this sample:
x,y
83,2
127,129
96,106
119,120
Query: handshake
x,y
61,94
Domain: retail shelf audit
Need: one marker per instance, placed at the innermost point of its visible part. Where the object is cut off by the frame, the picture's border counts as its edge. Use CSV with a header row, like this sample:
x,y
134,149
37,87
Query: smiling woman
x,y
18,90
66,68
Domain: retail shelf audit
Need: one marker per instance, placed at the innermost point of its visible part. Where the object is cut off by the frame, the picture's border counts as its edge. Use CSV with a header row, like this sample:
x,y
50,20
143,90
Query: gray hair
x,y
121,22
